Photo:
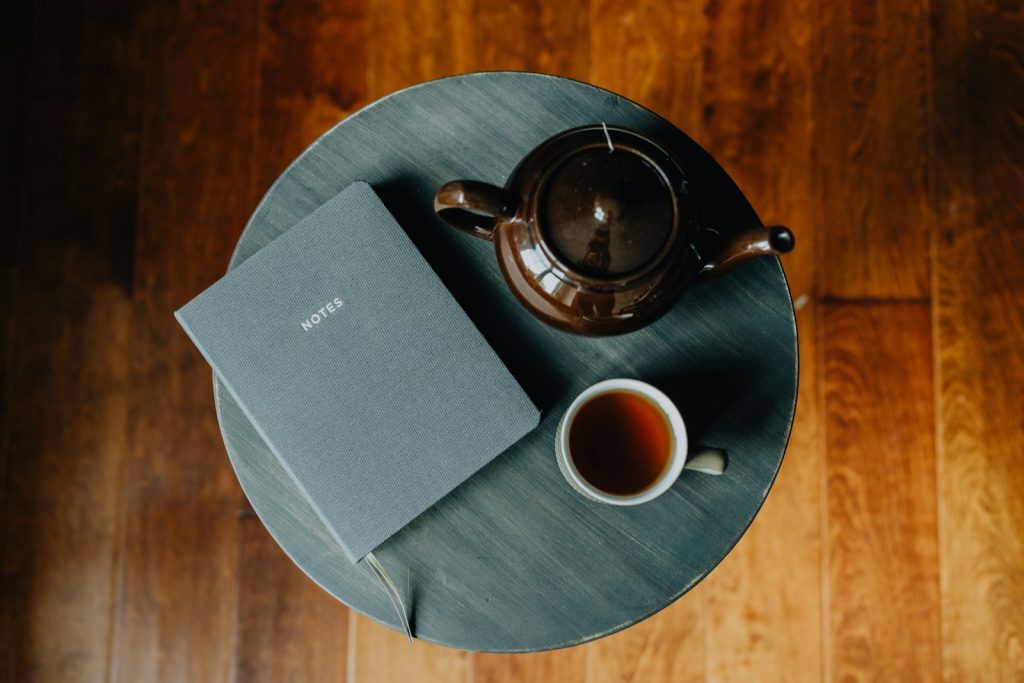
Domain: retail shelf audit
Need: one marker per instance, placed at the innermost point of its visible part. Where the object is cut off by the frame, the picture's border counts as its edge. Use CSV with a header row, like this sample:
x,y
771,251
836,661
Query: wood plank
x,y
764,612
289,629
15,67
548,37
650,52
979,328
413,42
533,35
64,486
668,647
70,322
384,656
882,573
419,40
180,556
312,74
568,665
871,141
8,293
71,331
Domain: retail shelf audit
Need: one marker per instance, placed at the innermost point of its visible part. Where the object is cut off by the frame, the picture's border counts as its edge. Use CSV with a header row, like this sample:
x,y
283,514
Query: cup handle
x,y
473,207
707,460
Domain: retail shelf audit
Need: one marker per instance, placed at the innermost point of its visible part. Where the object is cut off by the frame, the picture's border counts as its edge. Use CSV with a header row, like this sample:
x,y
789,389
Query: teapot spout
x,y
768,241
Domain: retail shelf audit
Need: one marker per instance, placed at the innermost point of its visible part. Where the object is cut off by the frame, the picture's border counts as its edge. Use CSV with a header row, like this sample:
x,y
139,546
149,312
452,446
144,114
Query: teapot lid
x,y
607,209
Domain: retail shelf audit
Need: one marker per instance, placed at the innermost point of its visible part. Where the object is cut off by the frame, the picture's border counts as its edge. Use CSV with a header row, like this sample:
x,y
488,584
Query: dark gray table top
x,y
514,560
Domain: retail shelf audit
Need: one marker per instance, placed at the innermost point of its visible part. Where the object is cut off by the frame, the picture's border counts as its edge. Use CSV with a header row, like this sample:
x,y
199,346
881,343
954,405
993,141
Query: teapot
x,y
598,230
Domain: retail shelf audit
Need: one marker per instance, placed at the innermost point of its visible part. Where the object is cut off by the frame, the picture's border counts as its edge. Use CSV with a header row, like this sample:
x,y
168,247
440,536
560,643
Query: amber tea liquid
x,y
620,442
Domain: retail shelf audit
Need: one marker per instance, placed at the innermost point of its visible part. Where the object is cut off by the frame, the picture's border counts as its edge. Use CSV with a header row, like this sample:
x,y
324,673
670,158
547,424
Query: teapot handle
x,y
769,241
473,207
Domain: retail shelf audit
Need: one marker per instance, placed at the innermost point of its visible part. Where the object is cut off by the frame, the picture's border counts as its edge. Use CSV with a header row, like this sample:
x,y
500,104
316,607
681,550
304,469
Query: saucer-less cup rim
x,y
677,458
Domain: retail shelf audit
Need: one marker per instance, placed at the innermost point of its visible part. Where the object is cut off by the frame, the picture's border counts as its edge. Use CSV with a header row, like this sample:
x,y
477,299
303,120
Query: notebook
x,y
358,368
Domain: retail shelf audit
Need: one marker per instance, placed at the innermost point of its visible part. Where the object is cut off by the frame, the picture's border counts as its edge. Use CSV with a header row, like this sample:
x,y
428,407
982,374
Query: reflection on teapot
x,y
597,231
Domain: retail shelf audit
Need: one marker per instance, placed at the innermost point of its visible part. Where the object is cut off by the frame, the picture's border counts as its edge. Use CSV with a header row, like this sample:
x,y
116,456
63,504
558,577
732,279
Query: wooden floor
x,y
888,135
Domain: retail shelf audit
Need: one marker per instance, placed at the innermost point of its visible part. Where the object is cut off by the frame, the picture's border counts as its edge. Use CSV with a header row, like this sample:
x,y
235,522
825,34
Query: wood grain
x,y
418,40
15,67
547,37
312,74
568,665
415,41
178,583
650,52
177,116
979,336
8,293
69,325
871,143
289,629
386,656
666,648
882,581
533,35
764,612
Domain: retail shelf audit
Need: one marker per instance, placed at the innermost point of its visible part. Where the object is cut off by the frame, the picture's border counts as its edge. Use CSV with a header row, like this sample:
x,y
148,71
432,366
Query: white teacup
x,y
707,460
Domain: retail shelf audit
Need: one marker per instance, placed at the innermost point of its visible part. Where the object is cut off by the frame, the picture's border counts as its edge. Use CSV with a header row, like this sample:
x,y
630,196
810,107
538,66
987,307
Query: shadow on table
x,y
445,250
733,391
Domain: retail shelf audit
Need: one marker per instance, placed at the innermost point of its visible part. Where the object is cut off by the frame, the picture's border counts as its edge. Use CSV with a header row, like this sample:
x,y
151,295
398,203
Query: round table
x,y
513,560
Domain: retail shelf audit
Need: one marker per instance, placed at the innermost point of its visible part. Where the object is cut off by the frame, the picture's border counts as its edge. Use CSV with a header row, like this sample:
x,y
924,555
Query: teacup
x,y
624,442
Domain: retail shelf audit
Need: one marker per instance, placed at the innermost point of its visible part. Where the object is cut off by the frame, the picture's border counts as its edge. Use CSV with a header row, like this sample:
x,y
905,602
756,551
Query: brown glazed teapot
x,y
597,230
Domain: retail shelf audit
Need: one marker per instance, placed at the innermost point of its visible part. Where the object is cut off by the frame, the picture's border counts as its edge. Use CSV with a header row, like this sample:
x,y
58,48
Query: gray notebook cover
x,y
358,368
